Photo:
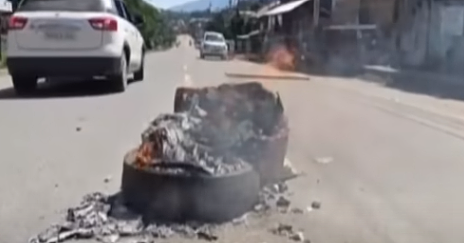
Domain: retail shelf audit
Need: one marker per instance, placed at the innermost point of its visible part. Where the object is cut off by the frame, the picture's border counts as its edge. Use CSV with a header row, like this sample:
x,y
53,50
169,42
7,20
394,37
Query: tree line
x,y
157,30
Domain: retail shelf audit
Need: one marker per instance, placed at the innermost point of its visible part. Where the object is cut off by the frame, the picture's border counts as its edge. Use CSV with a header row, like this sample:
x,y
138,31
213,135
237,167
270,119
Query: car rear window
x,y
62,5
214,38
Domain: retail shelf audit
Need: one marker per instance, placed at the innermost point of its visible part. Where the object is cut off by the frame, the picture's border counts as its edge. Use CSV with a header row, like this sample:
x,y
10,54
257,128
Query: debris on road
x,y
283,202
107,219
107,179
316,205
287,231
298,236
93,219
297,211
216,131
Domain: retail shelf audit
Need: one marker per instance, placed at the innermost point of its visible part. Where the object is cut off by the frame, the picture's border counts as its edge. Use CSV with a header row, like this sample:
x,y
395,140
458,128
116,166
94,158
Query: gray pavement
x,y
391,178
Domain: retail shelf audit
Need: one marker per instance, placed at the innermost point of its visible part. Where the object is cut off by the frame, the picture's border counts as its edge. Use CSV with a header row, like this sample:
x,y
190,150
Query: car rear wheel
x,y
24,85
139,74
119,81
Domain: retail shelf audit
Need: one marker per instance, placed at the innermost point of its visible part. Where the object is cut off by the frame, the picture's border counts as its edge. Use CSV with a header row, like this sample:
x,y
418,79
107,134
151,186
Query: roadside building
x,y
431,35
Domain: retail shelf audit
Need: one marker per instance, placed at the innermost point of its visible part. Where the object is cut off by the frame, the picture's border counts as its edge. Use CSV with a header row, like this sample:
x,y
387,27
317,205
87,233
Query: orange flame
x,y
144,155
281,58
279,61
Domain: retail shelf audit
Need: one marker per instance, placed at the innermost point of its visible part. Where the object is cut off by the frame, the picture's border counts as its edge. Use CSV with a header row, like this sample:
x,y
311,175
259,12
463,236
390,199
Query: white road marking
x,y
187,80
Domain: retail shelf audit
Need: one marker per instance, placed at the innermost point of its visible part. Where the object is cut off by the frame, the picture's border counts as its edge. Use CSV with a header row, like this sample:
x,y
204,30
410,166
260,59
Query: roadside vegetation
x,y
156,31
230,22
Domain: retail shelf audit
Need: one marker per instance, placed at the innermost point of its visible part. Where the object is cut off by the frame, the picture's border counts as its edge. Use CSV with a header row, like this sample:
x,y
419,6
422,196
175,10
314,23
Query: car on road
x,y
214,44
74,39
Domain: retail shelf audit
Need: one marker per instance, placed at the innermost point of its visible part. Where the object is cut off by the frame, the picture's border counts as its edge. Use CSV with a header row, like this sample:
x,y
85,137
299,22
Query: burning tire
x,y
269,162
266,151
182,98
196,195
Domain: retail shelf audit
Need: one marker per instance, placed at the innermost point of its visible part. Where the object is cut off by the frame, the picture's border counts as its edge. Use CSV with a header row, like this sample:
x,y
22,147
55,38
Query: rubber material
x,y
182,98
119,81
139,74
183,197
24,85
269,161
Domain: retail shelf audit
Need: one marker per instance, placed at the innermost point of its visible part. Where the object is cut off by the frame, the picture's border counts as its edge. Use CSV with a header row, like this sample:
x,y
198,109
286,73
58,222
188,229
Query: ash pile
x,y
197,169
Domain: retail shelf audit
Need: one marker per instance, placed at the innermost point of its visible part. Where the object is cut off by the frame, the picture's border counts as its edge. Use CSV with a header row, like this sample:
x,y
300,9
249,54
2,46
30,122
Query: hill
x,y
199,5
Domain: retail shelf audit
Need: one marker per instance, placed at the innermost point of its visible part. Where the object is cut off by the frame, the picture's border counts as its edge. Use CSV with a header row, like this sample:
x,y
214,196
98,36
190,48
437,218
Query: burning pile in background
x,y
281,58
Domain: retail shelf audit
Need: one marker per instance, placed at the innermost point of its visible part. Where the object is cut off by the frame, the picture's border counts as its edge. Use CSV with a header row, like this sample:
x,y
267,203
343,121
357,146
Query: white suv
x,y
74,38
213,44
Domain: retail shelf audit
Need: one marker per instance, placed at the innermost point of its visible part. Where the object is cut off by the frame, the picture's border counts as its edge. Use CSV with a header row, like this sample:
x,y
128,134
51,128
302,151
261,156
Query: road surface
x,y
394,172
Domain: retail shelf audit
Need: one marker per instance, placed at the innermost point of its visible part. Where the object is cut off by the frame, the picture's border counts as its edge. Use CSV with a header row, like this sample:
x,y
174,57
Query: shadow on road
x,y
68,89
419,83
412,81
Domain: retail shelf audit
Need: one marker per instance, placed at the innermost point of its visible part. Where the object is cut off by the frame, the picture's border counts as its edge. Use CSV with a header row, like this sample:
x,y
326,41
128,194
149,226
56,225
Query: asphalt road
x,y
389,178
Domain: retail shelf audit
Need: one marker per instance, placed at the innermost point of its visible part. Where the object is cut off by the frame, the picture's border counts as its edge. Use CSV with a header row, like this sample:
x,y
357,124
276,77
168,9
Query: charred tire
x,y
182,98
24,85
269,162
139,74
181,197
119,81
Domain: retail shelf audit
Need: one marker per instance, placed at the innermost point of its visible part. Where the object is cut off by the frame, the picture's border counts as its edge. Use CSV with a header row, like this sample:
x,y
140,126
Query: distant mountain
x,y
199,5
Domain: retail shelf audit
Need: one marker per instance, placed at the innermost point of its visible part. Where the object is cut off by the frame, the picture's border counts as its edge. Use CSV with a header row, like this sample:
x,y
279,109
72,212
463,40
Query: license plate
x,y
60,36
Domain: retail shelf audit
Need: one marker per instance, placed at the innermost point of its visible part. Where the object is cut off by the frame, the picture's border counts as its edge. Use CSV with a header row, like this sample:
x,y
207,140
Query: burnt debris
x,y
214,128
176,138
96,218
214,131
108,219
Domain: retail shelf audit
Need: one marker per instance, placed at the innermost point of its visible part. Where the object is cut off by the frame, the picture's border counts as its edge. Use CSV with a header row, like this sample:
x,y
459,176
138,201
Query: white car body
x,y
213,44
73,38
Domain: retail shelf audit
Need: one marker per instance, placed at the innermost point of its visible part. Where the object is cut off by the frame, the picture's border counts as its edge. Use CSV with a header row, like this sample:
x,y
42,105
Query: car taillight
x,y
17,23
105,24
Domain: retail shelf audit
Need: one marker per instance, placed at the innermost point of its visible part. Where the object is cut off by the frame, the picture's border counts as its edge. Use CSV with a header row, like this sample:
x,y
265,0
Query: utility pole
x,y
316,12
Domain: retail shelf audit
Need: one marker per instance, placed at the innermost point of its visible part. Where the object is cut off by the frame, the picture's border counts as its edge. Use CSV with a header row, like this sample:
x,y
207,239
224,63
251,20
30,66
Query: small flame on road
x,y
281,58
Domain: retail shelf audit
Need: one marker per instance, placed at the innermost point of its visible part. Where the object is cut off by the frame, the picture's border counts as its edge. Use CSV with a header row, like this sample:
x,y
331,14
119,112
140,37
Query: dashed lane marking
x,y
187,80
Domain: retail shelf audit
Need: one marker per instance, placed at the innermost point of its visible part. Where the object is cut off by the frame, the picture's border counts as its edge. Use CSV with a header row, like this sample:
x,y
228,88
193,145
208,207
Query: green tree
x,y
156,30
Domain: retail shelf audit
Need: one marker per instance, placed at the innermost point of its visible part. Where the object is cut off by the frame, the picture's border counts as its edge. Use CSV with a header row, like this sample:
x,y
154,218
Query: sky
x,y
168,3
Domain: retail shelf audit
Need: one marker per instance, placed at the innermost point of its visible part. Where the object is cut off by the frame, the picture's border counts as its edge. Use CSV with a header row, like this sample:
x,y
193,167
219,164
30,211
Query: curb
x,y
257,76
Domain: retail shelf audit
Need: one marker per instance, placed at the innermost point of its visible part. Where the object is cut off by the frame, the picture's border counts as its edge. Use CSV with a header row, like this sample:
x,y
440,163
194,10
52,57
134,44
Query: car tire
x,y
188,197
24,85
119,81
139,74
